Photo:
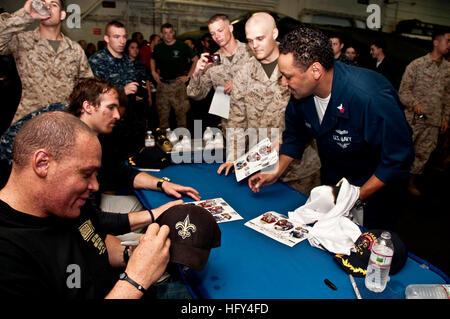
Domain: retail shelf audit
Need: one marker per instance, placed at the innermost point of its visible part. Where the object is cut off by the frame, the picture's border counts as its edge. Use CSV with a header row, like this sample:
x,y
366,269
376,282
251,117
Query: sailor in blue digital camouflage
x,y
7,139
111,64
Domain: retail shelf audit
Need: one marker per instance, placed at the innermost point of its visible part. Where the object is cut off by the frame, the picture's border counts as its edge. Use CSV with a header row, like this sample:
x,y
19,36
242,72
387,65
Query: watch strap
x,y
152,216
159,184
124,276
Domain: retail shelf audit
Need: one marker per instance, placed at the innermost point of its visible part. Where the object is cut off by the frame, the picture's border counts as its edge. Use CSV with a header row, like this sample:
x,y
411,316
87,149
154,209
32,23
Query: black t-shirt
x,y
172,60
52,257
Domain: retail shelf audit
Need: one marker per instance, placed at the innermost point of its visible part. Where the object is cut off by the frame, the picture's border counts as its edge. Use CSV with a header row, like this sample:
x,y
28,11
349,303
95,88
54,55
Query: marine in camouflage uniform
x,y
426,82
47,76
220,74
260,102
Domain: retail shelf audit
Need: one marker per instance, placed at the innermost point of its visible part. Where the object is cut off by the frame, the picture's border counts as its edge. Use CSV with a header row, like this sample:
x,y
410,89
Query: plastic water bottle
x,y
149,139
40,8
218,140
427,292
171,136
208,134
380,261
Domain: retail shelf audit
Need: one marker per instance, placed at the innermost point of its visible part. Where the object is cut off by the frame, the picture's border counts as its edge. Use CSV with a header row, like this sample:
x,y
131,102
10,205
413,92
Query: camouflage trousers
x,y
304,174
425,138
170,96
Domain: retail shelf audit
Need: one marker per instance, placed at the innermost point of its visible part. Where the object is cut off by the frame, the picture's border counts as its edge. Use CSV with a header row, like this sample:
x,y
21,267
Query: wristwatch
x,y
124,276
160,182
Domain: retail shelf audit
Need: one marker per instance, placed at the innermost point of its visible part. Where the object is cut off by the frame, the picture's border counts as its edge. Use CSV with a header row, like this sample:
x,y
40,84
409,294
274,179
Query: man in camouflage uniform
x,y
258,100
171,70
425,92
49,63
233,55
111,64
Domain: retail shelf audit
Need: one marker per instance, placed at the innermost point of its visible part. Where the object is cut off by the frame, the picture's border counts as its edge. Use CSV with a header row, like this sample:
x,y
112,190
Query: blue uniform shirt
x,y
119,71
363,132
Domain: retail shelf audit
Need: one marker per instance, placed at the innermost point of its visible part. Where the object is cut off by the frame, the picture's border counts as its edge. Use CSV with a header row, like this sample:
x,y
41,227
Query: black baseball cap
x,y
356,263
193,232
150,157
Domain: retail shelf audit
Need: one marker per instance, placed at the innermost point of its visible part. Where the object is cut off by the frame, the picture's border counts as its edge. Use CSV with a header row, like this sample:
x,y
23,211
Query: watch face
x,y
166,179
123,276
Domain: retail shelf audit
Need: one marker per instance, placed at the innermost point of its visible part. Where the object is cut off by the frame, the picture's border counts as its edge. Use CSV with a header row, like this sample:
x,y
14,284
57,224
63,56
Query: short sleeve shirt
x,y
172,60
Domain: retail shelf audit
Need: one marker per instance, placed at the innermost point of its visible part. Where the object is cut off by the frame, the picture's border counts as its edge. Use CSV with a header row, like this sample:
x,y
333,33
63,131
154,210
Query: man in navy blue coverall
x,y
354,116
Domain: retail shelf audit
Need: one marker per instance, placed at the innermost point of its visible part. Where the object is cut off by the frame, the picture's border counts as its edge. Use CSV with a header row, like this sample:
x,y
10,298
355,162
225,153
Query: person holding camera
x,y
258,101
232,55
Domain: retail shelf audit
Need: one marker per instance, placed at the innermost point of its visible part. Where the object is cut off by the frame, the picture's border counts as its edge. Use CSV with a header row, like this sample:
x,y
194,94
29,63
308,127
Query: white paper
x,y
261,156
220,209
279,228
220,104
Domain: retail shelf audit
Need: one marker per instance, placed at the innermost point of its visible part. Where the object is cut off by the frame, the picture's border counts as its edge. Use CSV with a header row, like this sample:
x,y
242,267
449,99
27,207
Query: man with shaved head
x,y
49,247
258,102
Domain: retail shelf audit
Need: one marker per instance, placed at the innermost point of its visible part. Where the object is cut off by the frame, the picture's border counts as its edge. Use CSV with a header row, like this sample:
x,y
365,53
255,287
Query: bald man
x,y
258,102
49,247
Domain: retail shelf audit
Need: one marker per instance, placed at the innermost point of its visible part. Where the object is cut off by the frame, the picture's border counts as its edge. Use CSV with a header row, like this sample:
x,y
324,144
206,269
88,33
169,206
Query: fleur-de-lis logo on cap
x,y
186,227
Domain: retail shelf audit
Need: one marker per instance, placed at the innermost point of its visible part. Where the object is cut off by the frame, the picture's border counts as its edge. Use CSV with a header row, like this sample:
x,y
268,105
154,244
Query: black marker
x,y
330,284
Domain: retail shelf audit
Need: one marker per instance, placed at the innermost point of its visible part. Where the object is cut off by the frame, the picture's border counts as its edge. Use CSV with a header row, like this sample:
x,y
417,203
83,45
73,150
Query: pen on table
x,y
330,284
130,243
355,288
149,169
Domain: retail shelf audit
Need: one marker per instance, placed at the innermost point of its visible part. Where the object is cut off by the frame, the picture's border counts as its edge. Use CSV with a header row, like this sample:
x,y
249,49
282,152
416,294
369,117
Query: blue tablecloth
x,y
251,265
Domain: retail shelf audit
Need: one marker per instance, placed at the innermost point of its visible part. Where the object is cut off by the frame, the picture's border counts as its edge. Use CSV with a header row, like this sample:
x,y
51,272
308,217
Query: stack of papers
x,y
260,156
220,209
280,228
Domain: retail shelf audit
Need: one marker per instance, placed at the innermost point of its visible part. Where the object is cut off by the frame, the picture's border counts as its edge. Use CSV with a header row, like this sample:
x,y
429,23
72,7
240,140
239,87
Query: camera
x,y
142,90
213,58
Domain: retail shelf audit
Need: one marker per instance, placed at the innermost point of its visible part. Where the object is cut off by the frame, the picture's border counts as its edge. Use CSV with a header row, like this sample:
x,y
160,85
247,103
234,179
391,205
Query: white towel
x,y
333,231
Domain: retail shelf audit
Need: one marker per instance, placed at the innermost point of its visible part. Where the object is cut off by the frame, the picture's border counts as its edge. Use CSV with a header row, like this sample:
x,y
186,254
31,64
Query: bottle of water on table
x,y
149,139
380,261
435,291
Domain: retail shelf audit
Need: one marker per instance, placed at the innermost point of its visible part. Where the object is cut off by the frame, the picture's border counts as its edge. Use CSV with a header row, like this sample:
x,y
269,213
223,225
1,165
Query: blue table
x,y
250,265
